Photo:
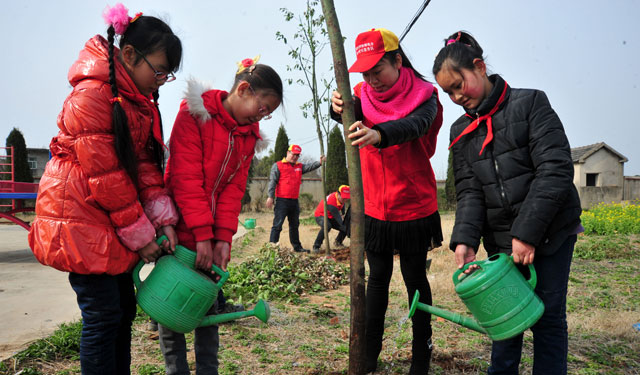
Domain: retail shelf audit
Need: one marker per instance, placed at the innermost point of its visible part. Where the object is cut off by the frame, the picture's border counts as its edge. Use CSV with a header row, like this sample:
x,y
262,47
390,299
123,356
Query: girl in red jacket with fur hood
x,y
101,198
214,138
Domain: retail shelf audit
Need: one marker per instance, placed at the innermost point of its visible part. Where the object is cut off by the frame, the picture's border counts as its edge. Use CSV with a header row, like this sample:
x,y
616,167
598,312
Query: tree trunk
x,y
357,338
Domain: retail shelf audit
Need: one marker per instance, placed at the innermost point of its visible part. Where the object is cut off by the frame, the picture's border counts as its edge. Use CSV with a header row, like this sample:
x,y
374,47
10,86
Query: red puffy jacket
x,y
208,167
90,217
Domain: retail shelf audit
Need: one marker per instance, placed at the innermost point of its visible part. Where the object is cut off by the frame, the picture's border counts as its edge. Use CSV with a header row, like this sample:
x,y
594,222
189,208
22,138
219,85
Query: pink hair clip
x,y
457,39
117,16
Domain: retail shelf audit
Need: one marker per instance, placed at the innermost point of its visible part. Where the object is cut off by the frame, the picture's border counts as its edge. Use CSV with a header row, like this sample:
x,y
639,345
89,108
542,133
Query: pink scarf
x,y
401,99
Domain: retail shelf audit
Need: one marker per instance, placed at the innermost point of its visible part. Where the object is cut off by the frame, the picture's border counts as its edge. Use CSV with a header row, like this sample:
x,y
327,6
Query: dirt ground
x,y
312,337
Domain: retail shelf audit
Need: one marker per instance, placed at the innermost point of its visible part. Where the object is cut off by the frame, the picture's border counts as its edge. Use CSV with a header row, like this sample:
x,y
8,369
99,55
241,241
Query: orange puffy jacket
x,y
90,217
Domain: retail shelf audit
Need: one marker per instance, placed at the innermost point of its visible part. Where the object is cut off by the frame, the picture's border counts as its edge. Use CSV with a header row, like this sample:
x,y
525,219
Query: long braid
x,y
123,143
158,151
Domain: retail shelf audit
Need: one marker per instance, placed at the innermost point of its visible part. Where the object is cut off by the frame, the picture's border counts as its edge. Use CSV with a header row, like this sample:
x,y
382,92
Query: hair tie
x,y
117,17
457,39
116,99
247,64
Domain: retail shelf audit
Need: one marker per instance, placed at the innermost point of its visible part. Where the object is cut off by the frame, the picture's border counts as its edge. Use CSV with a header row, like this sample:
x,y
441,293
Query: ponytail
x,y
459,51
122,143
156,148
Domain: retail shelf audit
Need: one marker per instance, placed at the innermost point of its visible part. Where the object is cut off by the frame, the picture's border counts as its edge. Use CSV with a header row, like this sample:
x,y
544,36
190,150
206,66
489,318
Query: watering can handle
x,y
224,275
138,267
241,223
456,274
533,278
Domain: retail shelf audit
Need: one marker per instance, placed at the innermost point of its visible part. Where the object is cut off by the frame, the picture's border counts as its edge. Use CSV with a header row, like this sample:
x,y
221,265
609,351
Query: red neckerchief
x,y
474,125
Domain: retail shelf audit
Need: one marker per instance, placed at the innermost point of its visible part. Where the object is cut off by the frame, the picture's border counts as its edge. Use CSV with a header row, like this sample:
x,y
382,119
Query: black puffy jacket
x,y
522,184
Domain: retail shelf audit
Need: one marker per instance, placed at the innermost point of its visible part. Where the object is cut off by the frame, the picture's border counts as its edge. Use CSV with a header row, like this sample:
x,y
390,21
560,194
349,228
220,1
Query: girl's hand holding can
x,y
222,254
170,244
204,257
465,254
522,252
150,252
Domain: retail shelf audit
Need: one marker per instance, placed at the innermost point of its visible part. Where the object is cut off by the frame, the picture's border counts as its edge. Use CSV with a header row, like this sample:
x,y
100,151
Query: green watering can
x,y
502,302
248,223
177,295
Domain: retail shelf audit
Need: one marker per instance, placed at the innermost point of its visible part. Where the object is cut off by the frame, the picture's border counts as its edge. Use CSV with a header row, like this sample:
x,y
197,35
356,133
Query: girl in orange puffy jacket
x,y
213,140
101,199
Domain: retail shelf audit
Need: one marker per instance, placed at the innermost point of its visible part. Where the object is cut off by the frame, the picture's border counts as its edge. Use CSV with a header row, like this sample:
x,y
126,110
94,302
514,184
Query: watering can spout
x,y
454,317
260,311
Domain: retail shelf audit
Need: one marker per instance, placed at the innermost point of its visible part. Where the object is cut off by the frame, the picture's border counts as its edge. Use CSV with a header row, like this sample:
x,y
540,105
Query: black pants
x,y
332,224
413,267
290,209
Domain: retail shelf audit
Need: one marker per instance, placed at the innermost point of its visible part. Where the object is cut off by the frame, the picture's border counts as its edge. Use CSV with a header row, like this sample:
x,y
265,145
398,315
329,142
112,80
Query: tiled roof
x,y
580,154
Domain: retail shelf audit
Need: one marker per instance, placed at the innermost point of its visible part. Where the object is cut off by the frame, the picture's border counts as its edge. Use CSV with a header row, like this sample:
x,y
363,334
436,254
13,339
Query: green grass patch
x,y
63,344
603,247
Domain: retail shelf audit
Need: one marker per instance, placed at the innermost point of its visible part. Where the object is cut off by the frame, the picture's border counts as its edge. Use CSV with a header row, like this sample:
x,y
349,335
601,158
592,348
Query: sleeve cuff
x,y
202,233
223,234
137,235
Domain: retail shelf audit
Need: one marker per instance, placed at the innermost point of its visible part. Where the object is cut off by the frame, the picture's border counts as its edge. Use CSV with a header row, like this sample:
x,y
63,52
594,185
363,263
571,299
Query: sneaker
x,y
338,245
301,250
316,250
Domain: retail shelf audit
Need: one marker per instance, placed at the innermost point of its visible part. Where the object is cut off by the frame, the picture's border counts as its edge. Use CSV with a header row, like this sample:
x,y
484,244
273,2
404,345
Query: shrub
x,y
613,218
306,202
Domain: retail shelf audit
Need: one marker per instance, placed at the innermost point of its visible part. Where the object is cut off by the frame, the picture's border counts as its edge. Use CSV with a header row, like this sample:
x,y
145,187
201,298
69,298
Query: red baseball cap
x,y
295,149
371,46
345,191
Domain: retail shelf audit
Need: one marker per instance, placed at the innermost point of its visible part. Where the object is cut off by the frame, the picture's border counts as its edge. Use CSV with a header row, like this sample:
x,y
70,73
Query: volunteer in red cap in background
x,y
399,116
284,184
335,207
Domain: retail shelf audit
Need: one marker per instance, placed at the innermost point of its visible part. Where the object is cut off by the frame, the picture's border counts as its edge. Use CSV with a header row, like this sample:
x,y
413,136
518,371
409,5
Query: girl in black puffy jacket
x,y
514,185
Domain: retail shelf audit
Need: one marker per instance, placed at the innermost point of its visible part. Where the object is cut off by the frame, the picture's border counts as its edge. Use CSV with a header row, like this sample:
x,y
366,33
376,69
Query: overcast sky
x,y
583,54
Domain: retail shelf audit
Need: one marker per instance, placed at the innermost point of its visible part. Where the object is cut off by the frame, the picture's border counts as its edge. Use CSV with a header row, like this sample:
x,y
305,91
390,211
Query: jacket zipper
x,y
384,186
227,157
503,194
496,168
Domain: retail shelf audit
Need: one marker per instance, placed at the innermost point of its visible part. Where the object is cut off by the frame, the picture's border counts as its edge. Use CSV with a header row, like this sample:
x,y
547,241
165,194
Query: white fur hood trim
x,y
193,96
262,144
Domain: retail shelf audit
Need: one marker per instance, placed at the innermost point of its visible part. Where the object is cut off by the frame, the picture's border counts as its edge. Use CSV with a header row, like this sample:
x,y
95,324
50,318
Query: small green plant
x,y
277,274
150,369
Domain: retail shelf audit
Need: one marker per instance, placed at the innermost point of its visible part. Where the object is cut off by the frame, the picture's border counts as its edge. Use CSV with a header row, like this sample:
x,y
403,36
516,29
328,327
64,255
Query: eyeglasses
x,y
160,76
262,109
